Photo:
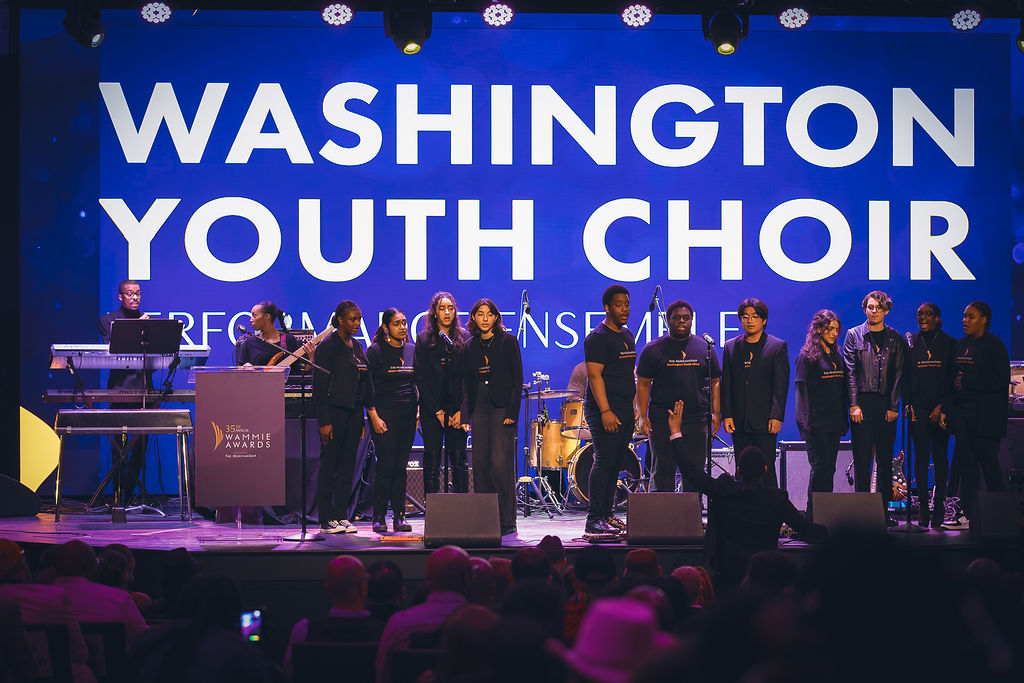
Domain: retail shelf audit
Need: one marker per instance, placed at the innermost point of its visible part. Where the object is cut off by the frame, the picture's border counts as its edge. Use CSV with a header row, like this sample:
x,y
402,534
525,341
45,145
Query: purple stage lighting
x,y
636,15
337,14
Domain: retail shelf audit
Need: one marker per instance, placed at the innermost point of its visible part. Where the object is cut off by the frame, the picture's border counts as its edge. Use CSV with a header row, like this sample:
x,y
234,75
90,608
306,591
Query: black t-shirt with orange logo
x,y
822,400
616,351
392,370
678,370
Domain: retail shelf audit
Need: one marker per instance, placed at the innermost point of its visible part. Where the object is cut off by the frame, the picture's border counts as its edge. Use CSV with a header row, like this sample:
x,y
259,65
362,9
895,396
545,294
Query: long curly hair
x,y
819,323
458,334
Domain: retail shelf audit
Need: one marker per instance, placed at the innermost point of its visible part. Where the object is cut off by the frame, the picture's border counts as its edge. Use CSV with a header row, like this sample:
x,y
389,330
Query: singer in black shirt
x,y
494,388
981,380
440,368
392,416
674,368
821,408
928,381
339,399
610,353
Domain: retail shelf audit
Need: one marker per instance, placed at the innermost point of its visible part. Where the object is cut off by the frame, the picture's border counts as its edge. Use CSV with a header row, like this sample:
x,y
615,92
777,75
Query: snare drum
x,y
548,446
629,475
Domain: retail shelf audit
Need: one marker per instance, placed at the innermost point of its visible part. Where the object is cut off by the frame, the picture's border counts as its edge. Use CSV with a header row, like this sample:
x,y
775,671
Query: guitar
x,y
899,481
283,361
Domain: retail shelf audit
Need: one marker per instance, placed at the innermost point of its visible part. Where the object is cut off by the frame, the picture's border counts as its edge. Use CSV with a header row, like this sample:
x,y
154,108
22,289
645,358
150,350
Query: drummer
x,y
578,381
675,368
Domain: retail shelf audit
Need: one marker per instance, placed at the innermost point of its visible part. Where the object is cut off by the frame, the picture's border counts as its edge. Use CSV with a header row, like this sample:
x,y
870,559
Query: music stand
x,y
145,336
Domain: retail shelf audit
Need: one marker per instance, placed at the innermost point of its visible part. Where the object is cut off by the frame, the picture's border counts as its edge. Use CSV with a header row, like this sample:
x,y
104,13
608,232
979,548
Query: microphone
x,y
526,303
445,338
240,329
654,299
910,340
708,338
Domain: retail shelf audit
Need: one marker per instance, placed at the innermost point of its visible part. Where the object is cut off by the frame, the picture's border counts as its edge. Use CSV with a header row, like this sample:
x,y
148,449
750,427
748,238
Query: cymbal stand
x,y
526,484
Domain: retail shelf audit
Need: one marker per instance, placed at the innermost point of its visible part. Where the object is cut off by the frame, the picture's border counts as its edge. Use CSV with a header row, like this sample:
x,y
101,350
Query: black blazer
x,y
349,385
439,390
742,518
506,377
763,395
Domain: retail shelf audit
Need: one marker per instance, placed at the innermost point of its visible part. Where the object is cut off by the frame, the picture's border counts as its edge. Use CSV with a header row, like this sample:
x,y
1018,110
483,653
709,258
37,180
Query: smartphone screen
x,y
252,625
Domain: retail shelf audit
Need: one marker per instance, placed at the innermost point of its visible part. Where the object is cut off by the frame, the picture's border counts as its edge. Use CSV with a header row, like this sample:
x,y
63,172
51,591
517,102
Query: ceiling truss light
x,y
337,14
155,12
82,23
965,19
498,14
794,17
408,23
636,15
725,28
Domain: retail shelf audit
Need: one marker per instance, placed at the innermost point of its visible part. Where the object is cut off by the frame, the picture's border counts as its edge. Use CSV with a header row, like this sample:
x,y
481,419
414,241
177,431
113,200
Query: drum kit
x,y
562,452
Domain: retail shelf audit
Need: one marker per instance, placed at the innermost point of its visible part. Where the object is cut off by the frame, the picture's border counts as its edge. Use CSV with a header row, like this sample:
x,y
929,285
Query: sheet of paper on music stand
x,y
160,336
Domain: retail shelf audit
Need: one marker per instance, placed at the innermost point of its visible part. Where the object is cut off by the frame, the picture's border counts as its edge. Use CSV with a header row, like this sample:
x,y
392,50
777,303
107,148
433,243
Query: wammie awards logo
x,y
238,441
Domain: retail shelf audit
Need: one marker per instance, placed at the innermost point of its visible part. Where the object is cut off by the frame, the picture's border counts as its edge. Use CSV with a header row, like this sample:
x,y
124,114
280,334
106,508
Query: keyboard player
x,y
129,294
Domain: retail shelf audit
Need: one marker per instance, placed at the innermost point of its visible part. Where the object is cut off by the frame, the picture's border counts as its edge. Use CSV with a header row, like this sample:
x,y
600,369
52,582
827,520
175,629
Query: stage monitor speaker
x,y
17,500
664,519
859,511
996,519
468,520
798,472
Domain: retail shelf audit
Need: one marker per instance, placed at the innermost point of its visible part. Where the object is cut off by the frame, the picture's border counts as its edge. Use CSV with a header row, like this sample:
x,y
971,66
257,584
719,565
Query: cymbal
x,y
551,393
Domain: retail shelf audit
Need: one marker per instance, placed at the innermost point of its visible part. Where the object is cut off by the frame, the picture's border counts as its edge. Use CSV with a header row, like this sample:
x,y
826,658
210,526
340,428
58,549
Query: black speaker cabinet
x,y
996,519
664,519
17,500
468,520
860,511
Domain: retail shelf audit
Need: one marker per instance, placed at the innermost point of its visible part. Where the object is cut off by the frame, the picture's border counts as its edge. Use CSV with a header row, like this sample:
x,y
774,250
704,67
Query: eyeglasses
x,y
925,314
748,318
873,307
132,295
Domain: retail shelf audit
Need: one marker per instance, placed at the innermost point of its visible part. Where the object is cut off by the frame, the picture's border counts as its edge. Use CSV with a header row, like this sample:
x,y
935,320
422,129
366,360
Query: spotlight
x,y
1020,37
83,24
408,23
965,19
337,14
636,15
794,17
498,14
155,12
725,28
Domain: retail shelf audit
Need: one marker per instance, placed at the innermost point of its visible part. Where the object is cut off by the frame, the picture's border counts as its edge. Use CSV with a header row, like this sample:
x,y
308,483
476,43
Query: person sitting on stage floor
x,y
348,620
129,293
256,349
90,601
385,589
448,574
744,515
42,605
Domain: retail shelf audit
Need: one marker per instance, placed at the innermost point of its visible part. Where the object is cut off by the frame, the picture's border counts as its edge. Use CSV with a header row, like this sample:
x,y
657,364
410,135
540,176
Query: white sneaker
x,y
959,523
330,527
346,527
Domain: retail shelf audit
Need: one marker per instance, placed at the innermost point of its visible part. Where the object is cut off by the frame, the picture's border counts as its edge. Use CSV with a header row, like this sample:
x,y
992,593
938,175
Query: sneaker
x,y
330,527
616,522
346,527
401,524
959,523
380,526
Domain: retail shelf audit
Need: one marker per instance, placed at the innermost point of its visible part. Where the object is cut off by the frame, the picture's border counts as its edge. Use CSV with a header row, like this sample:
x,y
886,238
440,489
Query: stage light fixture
x,y
965,19
794,17
498,14
408,23
83,24
725,28
337,14
636,15
155,12
1020,37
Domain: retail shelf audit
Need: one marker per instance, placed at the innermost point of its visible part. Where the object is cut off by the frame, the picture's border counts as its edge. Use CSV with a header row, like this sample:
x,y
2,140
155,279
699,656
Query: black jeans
x,y
694,452
931,442
764,442
609,455
392,451
494,457
454,446
337,461
873,436
973,450
822,451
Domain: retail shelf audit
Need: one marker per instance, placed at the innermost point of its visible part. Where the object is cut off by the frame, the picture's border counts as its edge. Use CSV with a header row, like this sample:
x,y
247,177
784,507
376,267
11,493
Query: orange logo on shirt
x,y
751,359
625,346
683,352
929,354
486,362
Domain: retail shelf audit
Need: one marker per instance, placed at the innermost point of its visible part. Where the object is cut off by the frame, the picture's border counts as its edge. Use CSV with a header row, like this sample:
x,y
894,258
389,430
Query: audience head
x,y
594,569
658,601
385,583
530,563
642,563
691,581
539,600
555,551
213,600
113,569
502,567
75,558
13,568
465,642
518,653
481,582
177,569
770,573
983,573
346,582
449,569
751,465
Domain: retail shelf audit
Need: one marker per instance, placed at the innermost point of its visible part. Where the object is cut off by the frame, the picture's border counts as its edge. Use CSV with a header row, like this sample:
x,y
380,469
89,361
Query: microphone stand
x,y
656,305
304,534
909,527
